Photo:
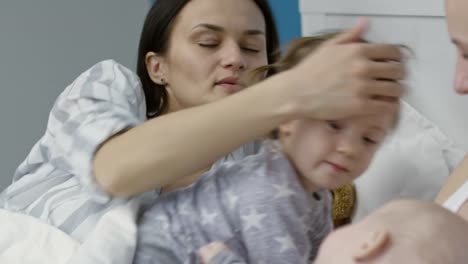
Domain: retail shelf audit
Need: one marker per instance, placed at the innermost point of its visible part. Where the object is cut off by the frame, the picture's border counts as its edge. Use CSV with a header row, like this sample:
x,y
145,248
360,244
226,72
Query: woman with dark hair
x,y
113,135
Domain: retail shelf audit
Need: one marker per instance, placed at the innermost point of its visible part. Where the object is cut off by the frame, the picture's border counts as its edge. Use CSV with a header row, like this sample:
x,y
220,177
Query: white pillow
x,y
414,162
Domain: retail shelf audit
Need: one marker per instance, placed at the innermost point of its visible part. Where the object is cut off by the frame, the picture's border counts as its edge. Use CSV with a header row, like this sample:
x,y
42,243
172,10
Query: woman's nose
x,y
232,57
461,75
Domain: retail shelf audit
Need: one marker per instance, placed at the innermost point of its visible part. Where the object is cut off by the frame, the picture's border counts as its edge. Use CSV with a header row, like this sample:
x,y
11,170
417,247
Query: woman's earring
x,y
162,81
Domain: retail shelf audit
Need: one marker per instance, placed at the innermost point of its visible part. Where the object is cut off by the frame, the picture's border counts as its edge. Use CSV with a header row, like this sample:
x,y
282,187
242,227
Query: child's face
x,y
329,154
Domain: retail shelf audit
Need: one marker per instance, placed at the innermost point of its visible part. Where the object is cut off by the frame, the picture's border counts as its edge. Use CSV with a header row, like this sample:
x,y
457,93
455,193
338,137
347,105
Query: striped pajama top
x,y
55,182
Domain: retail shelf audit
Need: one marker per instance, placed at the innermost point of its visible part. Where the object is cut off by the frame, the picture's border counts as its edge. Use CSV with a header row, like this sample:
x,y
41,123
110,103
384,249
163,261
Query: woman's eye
x,y
251,50
208,45
334,125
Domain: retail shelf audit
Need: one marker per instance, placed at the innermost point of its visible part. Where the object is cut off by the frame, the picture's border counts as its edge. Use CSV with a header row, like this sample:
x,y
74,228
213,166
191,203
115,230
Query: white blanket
x,y
27,240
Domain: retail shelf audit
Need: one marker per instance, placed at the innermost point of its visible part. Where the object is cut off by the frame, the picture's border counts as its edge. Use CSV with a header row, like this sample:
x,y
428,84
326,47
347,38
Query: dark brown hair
x,y
155,36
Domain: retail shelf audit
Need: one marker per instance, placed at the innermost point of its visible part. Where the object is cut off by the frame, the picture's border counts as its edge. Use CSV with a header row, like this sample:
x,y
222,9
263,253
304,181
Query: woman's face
x,y
213,42
457,19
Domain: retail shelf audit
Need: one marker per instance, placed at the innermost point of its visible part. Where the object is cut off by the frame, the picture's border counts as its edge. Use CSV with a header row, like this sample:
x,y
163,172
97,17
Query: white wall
x,y
419,24
44,45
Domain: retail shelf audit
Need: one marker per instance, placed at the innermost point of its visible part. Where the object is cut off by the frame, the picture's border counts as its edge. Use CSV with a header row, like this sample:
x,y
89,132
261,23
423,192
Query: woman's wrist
x,y
286,107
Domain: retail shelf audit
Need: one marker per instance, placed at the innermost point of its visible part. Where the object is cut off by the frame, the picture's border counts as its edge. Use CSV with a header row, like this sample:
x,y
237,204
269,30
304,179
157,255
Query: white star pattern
x,y
275,150
163,222
286,243
253,219
283,191
304,222
249,166
207,218
208,188
184,208
232,199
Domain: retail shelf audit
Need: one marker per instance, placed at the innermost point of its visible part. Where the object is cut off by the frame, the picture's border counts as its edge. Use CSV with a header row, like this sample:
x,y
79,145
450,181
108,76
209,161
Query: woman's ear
x,y
371,245
154,67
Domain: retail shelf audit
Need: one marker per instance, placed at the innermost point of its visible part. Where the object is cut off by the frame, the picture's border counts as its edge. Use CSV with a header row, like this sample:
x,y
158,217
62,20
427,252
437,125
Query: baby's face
x,y
329,154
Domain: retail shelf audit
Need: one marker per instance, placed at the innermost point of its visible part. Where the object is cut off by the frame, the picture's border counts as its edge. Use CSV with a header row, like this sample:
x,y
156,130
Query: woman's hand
x,y
346,77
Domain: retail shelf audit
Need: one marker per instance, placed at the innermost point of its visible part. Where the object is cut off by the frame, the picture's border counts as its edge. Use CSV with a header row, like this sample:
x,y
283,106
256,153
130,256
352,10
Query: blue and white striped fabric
x,y
55,182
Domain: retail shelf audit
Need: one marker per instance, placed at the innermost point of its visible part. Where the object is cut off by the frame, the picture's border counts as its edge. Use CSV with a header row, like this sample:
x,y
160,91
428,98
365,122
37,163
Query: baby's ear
x,y
371,245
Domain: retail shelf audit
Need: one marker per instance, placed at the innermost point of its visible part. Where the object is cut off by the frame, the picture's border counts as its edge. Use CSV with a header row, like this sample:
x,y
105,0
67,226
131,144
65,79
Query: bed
x,y
413,163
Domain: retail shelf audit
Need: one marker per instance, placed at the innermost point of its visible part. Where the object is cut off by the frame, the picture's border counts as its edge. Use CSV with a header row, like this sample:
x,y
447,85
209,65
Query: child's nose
x,y
348,146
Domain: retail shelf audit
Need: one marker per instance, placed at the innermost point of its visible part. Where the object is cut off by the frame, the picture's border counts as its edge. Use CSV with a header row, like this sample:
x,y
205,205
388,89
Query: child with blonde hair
x,y
271,207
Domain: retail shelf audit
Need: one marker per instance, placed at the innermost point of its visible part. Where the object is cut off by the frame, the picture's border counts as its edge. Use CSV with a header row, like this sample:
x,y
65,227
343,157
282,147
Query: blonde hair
x,y
296,51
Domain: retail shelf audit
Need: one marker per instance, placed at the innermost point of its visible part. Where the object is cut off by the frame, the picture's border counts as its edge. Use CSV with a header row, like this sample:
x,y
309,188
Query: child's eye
x,y
369,140
334,125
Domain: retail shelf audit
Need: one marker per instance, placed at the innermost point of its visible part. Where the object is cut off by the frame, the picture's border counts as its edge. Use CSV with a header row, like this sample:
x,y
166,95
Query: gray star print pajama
x,y
256,206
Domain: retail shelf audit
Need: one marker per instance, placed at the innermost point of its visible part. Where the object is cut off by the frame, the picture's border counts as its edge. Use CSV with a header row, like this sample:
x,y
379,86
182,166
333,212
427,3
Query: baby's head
x,y
413,232
327,154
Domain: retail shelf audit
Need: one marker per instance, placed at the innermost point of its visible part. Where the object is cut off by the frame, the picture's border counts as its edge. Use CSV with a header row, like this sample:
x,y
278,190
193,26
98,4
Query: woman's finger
x,y
384,88
386,70
382,52
378,106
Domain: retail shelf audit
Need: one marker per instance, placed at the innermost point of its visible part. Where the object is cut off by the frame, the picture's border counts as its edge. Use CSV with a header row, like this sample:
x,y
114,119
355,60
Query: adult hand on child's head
x,y
346,77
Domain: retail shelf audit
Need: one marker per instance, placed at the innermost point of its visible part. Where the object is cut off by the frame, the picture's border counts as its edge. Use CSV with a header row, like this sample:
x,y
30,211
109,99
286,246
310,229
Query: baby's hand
x,y
208,252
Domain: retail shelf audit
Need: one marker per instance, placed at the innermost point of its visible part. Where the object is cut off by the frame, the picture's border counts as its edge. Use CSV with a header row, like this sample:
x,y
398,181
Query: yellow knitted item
x,y
344,203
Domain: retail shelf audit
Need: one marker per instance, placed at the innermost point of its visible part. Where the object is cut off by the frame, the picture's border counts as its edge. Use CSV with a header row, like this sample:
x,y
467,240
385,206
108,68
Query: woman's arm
x,y
170,147
341,79
456,179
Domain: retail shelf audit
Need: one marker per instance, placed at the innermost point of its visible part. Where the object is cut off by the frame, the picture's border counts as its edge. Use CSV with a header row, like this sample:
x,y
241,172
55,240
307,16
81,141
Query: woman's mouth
x,y
230,87
230,84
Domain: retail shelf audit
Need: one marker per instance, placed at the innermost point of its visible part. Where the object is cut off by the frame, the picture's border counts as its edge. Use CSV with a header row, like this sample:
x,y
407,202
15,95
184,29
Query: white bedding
x,y
27,240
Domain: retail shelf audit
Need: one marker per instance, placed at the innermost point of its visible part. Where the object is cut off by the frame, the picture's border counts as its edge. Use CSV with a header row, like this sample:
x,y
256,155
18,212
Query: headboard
x,y
419,24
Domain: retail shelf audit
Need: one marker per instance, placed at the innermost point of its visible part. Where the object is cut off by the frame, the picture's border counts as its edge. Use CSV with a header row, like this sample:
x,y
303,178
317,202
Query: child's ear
x,y
371,245
286,129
